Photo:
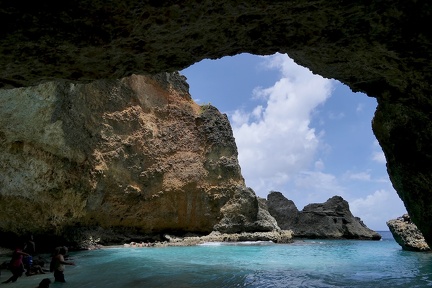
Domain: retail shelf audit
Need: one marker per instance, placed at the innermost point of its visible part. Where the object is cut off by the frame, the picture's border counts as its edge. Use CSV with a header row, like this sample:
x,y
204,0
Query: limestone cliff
x,y
135,154
382,48
331,219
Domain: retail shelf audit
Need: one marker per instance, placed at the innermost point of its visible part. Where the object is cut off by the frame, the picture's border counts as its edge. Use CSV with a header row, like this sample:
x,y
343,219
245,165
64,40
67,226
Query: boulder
x,y
331,219
407,235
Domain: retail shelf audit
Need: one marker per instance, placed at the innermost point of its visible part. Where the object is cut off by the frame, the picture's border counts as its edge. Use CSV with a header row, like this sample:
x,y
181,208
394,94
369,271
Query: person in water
x,y
58,264
16,265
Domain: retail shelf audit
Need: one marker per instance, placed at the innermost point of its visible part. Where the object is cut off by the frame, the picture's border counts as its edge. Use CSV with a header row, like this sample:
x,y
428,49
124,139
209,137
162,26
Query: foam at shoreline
x,y
243,243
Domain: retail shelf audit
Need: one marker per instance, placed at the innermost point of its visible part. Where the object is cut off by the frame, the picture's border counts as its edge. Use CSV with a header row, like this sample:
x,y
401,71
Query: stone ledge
x,y
281,236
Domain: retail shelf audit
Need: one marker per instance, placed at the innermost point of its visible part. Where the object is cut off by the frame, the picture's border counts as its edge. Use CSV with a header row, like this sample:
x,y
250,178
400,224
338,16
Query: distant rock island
x,y
329,220
407,235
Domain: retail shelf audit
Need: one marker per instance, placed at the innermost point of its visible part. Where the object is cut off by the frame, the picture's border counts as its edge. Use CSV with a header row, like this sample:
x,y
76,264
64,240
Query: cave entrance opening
x,y
299,133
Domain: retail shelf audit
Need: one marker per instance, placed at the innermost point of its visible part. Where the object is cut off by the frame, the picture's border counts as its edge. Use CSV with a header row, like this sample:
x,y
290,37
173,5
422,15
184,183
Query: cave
x,y
382,49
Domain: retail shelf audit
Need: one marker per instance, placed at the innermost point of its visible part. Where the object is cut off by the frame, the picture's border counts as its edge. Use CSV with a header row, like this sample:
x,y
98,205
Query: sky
x,y
298,133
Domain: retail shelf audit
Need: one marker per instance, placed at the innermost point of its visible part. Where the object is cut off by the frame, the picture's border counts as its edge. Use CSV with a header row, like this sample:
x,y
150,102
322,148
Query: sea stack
x,y
331,220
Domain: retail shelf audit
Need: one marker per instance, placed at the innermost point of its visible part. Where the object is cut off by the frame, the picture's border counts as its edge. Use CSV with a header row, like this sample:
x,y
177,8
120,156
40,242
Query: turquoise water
x,y
309,263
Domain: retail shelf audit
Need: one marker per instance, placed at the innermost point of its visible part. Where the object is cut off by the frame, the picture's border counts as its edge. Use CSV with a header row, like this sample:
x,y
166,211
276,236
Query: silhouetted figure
x,y
30,248
45,283
16,265
30,245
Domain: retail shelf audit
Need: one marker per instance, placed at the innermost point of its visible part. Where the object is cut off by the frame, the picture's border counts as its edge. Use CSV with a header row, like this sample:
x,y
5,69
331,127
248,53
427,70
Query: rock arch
x,y
380,48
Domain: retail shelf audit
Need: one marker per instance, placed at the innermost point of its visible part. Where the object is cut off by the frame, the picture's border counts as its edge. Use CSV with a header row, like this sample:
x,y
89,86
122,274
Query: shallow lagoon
x,y
309,263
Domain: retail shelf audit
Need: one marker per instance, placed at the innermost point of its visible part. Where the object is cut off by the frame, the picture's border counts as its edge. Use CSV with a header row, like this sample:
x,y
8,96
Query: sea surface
x,y
306,263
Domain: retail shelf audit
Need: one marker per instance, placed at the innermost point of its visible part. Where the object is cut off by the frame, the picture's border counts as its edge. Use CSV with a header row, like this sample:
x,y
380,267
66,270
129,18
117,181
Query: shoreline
x,y
5,251
281,236
277,237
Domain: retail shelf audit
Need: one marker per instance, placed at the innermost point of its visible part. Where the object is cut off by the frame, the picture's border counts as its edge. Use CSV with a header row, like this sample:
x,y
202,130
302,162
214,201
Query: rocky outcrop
x,y
331,219
407,235
276,236
380,48
135,154
283,210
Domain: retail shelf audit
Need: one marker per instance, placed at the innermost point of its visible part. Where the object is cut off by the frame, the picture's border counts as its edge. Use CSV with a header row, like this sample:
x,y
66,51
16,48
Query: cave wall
x,y
381,48
133,155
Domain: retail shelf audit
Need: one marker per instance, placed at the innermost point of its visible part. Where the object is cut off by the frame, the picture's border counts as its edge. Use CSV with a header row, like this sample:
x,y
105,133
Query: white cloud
x,y
257,93
366,176
384,179
257,112
360,107
378,156
377,153
369,201
313,181
319,165
362,176
317,187
372,209
275,140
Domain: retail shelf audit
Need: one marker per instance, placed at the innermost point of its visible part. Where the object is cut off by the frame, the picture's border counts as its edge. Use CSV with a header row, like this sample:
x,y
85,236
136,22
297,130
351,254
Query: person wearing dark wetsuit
x,y
30,248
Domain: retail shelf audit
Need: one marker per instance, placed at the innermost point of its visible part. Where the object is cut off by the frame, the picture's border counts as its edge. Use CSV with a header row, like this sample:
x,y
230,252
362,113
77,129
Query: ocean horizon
x,y
304,263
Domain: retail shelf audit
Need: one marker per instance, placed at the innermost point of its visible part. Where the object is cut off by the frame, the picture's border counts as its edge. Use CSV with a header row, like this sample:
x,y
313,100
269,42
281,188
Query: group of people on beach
x,y
22,262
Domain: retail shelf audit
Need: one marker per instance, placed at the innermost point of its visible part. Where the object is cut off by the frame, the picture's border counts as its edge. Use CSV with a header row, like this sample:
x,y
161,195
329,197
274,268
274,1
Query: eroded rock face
x,y
407,235
282,209
380,48
331,219
135,154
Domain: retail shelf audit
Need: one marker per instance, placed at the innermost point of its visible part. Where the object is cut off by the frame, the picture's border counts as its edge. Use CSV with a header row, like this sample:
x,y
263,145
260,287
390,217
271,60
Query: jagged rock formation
x,y
380,48
407,235
331,219
283,210
134,154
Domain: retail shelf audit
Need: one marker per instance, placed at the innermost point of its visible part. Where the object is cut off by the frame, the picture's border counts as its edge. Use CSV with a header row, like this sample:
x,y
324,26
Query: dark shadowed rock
x,y
265,219
331,219
407,235
283,210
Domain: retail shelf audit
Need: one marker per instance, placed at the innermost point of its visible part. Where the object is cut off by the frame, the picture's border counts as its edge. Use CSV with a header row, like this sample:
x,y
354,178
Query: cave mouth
x,y
299,133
